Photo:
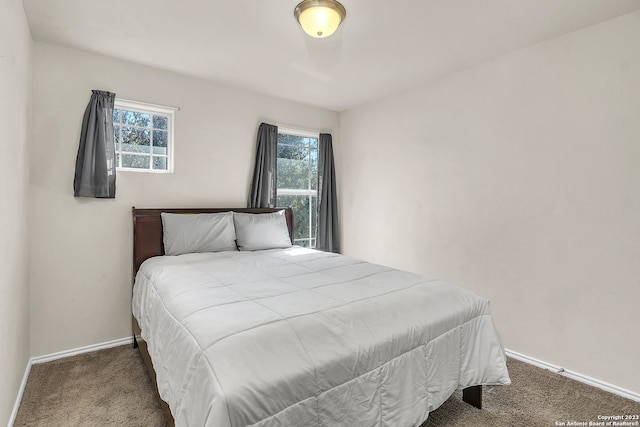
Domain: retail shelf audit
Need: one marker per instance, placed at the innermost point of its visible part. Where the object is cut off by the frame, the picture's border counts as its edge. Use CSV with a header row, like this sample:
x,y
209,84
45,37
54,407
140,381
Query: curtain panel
x,y
264,185
327,228
95,174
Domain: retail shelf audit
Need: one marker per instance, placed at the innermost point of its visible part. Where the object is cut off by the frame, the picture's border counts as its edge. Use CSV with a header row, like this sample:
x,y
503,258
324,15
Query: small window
x,y
143,136
298,182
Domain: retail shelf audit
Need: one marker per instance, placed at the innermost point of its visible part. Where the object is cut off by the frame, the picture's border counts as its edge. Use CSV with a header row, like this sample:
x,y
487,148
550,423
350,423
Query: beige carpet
x,y
102,388
111,388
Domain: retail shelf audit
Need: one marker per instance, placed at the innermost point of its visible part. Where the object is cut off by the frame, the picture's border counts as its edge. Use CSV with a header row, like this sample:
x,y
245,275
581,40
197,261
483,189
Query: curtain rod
x,y
301,132
148,104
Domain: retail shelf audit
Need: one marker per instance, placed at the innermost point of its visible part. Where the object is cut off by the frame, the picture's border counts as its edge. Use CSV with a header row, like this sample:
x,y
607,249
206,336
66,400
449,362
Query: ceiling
x,y
382,47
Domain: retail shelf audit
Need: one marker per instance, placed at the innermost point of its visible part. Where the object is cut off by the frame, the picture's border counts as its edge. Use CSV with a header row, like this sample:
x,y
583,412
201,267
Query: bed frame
x,y
147,243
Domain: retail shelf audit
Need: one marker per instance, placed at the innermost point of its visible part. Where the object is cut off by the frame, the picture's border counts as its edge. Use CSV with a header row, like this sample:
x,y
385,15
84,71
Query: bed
x,y
287,336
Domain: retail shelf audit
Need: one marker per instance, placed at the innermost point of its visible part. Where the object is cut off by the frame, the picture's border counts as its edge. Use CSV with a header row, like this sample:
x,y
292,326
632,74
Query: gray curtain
x,y
264,185
95,164
327,231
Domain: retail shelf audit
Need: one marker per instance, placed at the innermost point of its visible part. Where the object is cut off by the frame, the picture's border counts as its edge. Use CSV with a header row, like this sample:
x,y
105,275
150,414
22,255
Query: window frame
x,y
151,109
310,193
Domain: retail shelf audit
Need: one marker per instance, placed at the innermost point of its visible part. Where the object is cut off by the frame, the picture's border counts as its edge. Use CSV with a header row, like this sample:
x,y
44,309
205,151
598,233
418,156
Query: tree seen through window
x,y
142,137
298,184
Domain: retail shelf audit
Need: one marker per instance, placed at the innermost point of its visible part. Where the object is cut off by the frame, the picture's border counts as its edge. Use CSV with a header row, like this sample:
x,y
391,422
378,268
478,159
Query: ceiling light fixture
x,y
319,18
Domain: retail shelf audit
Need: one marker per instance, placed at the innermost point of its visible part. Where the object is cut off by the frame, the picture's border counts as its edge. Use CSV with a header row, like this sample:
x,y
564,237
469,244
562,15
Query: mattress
x,y
297,337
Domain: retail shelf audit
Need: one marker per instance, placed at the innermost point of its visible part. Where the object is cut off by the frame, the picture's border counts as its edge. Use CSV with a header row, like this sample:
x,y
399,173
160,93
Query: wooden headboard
x,y
147,228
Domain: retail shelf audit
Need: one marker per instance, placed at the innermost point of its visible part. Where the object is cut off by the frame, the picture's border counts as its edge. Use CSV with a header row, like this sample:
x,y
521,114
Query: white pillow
x,y
256,232
191,233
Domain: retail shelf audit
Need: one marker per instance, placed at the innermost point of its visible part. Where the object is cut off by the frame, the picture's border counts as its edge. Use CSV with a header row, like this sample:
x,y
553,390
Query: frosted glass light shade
x,y
319,18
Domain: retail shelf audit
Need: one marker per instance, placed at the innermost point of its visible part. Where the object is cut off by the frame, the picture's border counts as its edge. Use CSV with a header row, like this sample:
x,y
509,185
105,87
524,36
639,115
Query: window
x,y
143,136
298,182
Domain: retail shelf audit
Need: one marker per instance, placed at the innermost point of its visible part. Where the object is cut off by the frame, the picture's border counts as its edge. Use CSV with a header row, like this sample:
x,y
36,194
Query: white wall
x,y
15,104
520,180
81,248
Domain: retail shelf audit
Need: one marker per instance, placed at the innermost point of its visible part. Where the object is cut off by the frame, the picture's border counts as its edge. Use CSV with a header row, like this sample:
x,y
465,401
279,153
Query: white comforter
x,y
295,337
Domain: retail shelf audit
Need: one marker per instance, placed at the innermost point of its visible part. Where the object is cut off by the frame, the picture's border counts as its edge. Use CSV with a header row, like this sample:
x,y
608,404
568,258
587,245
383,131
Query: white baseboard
x,y
80,350
23,384
55,356
576,376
